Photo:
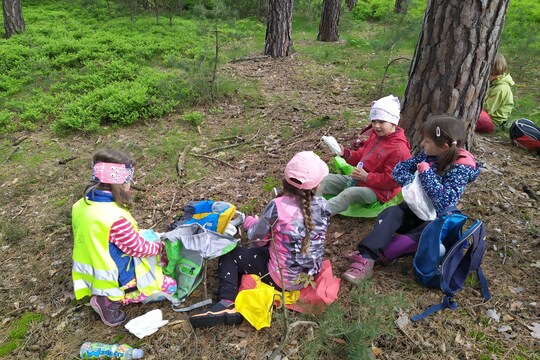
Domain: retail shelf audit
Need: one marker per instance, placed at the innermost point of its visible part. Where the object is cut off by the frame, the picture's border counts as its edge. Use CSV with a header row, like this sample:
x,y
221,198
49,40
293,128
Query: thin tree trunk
x,y
13,18
263,9
401,6
451,64
351,4
328,28
279,28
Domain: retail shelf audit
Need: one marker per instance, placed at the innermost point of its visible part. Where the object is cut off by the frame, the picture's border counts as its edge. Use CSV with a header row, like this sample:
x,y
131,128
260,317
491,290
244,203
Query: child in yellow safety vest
x,y
112,262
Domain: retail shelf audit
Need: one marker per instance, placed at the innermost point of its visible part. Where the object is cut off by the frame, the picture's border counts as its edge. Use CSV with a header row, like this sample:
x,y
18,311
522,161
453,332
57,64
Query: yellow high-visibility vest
x,y
94,271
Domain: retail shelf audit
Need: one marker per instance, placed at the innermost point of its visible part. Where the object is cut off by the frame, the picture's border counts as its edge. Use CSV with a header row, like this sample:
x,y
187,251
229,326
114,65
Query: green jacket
x,y
499,99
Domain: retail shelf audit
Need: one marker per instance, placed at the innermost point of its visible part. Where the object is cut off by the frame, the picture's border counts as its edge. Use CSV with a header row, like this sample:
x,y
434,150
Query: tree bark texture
x,y
351,4
13,19
451,64
328,28
279,28
401,6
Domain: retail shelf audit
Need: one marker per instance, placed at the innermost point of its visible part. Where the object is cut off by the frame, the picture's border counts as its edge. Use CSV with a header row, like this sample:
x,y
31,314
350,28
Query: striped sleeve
x,y
124,236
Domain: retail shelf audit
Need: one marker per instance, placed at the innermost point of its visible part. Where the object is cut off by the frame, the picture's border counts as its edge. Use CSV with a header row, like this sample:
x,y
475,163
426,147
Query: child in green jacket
x,y
499,98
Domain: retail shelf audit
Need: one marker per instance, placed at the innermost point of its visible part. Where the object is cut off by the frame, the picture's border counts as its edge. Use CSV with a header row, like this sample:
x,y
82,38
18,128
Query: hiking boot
x,y
109,311
218,313
359,270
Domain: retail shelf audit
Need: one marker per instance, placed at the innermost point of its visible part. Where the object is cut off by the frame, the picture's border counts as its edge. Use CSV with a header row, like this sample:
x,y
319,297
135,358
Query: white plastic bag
x,y
419,202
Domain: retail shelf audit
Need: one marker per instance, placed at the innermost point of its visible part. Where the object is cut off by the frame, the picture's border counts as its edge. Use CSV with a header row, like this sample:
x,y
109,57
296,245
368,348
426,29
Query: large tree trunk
x,y
451,64
279,28
401,6
328,28
351,4
13,19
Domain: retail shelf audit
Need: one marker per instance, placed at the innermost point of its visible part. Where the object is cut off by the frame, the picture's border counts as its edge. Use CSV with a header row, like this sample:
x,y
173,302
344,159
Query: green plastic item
x,y
362,210
342,167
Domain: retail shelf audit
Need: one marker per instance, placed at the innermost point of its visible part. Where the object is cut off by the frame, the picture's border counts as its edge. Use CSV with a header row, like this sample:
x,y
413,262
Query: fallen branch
x,y
13,151
225,147
250,58
213,158
20,140
180,165
65,161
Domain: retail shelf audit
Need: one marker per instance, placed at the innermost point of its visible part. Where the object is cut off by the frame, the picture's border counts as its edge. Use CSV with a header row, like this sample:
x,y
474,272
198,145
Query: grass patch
x,y
17,332
85,72
271,182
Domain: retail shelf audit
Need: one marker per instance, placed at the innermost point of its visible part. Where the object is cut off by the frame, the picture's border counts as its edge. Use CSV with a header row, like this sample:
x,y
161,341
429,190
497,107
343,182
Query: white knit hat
x,y
386,108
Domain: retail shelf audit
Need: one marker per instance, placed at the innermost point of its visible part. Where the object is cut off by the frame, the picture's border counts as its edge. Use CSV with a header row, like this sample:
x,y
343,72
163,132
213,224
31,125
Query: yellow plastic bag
x,y
255,301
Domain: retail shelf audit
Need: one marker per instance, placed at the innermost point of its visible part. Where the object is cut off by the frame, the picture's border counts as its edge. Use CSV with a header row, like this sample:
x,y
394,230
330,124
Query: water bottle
x,y
95,350
353,182
442,251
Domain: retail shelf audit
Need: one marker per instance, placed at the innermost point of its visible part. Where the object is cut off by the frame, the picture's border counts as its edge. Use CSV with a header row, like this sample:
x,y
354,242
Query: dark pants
x,y
238,262
395,219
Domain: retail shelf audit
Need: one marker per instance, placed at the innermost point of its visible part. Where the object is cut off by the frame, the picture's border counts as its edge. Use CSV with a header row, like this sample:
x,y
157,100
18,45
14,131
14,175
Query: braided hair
x,y
305,196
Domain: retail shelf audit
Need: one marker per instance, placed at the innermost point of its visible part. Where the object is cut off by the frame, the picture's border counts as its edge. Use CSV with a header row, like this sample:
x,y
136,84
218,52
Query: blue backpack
x,y
446,256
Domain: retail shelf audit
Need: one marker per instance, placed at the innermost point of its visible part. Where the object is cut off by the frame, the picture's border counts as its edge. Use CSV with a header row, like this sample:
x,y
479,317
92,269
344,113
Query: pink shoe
x,y
359,270
353,256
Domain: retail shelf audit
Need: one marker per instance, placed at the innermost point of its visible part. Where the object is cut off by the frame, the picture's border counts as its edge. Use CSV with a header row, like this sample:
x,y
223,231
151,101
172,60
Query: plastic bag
x,y
419,202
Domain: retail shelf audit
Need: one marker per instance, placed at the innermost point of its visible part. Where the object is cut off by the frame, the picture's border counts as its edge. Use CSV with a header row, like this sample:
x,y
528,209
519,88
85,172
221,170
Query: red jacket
x,y
380,155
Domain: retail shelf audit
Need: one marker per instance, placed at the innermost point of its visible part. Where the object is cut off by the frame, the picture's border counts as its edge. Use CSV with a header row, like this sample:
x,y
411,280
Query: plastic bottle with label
x,y
96,350
353,182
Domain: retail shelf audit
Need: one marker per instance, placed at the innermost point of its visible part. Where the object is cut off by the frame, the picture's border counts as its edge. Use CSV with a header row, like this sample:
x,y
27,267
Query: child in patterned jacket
x,y
444,168
288,241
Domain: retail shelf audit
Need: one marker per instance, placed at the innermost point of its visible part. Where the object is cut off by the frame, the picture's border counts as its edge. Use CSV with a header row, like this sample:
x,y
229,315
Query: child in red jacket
x,y
385,147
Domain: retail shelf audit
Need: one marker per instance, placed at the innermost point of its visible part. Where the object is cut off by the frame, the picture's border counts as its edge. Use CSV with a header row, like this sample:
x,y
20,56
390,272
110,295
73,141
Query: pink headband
x,y
110,173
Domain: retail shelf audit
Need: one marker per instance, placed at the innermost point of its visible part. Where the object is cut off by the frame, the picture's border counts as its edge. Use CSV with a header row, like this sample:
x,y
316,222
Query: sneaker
x,y
353,256
109,311
359,270
218,313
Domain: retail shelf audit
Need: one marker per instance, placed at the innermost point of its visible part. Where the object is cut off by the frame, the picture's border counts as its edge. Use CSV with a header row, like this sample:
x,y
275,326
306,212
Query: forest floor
x,y
297,104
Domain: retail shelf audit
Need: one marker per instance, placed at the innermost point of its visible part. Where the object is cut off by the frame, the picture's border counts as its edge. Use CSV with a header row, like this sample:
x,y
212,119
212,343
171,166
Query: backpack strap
x,y
191,307
447,303
483,283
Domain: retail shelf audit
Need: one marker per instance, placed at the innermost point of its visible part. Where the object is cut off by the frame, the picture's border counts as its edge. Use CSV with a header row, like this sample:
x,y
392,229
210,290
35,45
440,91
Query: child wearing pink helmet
x,y
288,241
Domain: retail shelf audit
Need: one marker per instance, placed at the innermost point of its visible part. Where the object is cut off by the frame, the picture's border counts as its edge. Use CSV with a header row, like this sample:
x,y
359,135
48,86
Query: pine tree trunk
x,y
279,28
401,6
13,19
351,4
451,64
328,28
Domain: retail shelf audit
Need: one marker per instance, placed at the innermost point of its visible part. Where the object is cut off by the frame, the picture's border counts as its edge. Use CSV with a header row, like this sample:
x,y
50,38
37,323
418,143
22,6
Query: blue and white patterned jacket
x,y
445,190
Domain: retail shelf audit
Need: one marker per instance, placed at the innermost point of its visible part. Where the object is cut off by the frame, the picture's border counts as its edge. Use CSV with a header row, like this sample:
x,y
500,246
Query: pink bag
x,y
313,300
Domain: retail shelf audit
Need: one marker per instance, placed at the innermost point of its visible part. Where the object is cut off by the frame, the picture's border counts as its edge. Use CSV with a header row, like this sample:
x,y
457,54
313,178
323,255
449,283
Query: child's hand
x,y
423,166
250,221
359,174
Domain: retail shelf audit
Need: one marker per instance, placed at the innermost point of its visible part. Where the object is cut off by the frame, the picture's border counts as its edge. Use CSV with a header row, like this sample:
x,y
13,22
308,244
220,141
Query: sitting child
x,y
111,261
289,240
385,147
444,170
499,98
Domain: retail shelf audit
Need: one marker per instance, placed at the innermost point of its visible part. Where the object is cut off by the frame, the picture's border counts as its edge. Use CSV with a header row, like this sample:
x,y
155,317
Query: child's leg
x,y
332,184
394,219
234,264
351,195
